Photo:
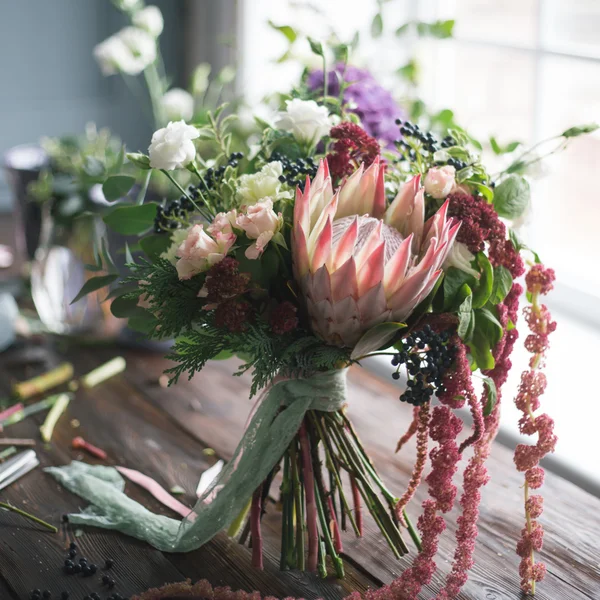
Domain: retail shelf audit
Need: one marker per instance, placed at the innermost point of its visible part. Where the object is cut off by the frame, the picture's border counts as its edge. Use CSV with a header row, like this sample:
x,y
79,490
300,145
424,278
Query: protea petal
x,y
358,265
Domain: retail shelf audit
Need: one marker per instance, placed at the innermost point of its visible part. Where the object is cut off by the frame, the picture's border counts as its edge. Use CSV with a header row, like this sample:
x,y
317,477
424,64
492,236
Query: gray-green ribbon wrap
x,y
268,434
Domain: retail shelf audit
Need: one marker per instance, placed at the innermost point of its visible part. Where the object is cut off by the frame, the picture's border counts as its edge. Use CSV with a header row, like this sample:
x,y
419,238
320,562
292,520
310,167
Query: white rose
x,y
149,19
200,251
177,104
177,238
126,5
305,119
439,182
112,55
172,146
461,258
260,223
265,183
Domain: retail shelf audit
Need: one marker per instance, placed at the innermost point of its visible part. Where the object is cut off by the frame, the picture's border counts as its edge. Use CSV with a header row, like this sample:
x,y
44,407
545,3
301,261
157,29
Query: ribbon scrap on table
x,y
268,434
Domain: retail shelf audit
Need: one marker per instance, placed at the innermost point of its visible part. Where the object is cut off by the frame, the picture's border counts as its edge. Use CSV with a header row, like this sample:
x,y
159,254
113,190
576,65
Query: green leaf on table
x,y
289,33
154,245
580,130
375,338
486,281
315,46
131,219
511,197
377,25
117,187
492,396
93,284
502,284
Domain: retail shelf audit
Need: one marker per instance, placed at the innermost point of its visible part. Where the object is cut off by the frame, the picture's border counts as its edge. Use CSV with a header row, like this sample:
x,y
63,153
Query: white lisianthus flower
x,y
112,56
260,223
263,184
305,120
439,182
199,251
172,146
177,104
461,258
149,19
177,238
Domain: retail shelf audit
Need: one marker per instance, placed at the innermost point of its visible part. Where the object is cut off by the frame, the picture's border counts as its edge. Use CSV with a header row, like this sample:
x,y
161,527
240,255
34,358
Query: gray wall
x,y
49,81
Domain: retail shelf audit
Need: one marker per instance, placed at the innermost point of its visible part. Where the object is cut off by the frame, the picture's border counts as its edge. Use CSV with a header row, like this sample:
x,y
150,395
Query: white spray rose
x,y
200,251
260,223
305,119
172,146
177,104
141,44
461,258
149,19
439,182
265,183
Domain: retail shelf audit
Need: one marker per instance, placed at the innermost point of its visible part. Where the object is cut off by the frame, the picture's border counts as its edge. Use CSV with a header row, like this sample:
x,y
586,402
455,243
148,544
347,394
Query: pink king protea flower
x,y
359,264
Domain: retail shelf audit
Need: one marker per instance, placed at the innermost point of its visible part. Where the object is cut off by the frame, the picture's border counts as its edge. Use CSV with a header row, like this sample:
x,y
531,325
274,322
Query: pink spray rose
x,y
261,223
439,182
200,251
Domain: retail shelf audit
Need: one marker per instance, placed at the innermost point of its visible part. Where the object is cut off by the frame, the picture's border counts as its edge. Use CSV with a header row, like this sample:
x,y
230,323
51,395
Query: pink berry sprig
x,y
539,281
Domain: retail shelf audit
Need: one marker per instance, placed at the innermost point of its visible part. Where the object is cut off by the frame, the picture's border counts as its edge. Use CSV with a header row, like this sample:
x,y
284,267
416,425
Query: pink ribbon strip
x,y
156,490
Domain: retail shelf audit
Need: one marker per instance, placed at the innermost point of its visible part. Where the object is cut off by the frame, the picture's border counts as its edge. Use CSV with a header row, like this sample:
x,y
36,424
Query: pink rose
x,y
439,182
200,251
223,222
260,223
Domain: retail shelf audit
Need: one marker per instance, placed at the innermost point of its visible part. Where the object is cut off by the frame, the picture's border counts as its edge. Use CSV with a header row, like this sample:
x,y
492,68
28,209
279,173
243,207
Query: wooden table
x,y
165,433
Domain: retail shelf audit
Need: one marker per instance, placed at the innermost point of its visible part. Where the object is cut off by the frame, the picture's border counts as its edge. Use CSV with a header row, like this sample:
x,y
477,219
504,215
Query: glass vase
x,y
58,273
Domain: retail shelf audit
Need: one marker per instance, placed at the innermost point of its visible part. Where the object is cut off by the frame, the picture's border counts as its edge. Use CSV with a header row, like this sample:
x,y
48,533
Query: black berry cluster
x,y
295,170
212,176
427,356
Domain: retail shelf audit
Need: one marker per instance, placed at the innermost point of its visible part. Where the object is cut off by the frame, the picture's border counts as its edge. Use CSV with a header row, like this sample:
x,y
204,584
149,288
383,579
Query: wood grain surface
x,y
174,434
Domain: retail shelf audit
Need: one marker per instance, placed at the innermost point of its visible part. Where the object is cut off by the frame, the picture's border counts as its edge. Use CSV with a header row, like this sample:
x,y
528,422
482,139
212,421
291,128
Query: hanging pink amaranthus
x,y
539,281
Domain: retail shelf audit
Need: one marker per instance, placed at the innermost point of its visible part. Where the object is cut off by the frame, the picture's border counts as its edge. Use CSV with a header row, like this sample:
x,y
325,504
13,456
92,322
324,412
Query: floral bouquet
x,y
316,251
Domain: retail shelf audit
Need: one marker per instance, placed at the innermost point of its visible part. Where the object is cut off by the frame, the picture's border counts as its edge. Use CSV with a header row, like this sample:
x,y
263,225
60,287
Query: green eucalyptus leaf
x,y
131,219
117,186
123,306
139,160
142,321
511,197
289,33
403,29
437,29
154,245
580,130
315,46
93,284
377,25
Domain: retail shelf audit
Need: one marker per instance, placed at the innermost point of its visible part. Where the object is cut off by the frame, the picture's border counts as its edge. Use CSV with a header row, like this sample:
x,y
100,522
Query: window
x,y
518,69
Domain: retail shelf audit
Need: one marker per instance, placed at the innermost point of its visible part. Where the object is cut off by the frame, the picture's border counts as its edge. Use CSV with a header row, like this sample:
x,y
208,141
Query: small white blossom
x,y
149,19
178,104
305,120
172,146
141,44
263,184
112,56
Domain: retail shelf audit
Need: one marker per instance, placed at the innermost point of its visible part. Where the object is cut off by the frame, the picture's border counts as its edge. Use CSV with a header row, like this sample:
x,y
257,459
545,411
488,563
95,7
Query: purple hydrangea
x,y
374,104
